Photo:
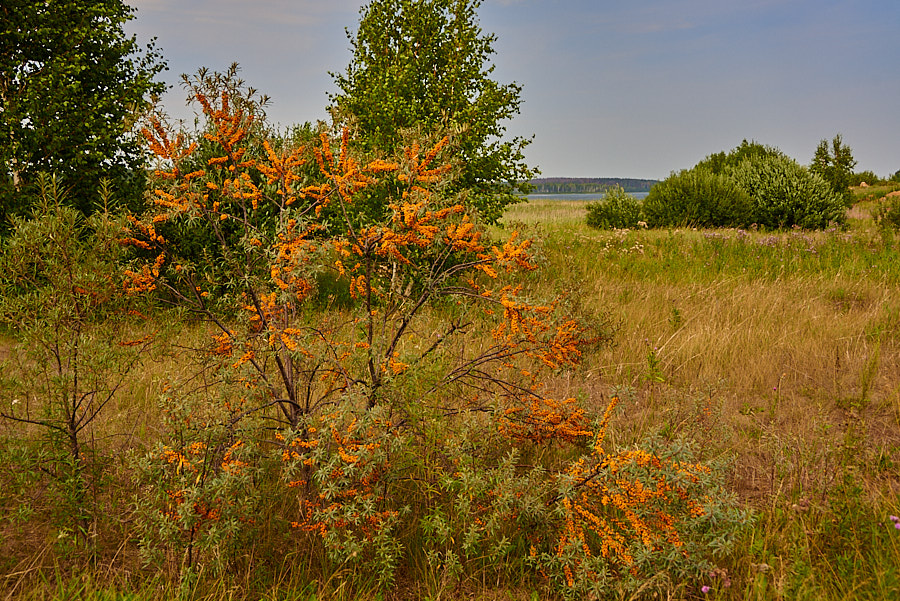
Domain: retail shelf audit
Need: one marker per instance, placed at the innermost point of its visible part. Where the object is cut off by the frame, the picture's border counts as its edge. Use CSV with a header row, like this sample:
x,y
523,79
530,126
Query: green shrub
x,y
698,197
199,489
617,209
786,194
887,215
69,358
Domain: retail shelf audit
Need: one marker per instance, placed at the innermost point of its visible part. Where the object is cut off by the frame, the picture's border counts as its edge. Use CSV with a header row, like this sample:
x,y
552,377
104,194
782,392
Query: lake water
x,y
584,197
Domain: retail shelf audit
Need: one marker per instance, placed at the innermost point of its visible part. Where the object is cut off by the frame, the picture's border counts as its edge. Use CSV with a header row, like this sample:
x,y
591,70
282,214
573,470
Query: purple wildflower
x,y
705,589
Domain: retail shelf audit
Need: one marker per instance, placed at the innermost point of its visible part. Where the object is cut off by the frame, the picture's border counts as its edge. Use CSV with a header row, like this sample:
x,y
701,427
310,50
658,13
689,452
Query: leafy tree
x,y
425,63
835,164
71,85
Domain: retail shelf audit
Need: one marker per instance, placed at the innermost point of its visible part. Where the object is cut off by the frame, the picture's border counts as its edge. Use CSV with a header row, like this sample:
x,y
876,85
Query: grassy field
x,y
778,352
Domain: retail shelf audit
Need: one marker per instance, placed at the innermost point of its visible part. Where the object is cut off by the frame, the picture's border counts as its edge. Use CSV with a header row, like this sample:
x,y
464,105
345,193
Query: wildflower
x,y
705,589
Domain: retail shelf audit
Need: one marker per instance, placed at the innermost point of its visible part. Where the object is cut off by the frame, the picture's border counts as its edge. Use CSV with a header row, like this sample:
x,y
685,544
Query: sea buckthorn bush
x,y
340,471
412,422
74,339
200,489
647,518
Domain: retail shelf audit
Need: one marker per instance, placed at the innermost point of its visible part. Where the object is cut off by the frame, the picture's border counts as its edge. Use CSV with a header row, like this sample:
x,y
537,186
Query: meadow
x,y
778,350
775,354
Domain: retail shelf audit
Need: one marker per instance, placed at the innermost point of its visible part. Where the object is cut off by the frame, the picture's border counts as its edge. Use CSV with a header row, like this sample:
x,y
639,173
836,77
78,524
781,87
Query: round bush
x,y
787,194
617,209
698,197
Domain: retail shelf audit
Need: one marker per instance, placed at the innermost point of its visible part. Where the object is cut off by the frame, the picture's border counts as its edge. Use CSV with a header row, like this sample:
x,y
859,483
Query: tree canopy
x,y
835,165
71,86
720,162
426,64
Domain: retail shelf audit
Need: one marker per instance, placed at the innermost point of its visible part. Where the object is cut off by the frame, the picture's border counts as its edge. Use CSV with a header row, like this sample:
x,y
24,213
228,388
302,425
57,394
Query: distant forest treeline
x,y
588,185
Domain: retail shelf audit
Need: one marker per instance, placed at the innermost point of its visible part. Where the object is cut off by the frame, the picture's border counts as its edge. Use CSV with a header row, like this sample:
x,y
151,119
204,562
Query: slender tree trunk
x,y
16,174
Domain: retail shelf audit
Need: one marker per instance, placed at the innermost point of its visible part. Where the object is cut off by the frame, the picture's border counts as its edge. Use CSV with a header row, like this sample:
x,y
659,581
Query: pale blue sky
x,y
631,88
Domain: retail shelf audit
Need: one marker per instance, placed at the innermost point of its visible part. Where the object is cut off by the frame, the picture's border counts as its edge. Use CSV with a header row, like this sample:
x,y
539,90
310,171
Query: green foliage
x,y
835,165
617,209
199,488
786,194
72,84
721,162
864,177
887,214
425,64
478,518
750,184
698,197
61,299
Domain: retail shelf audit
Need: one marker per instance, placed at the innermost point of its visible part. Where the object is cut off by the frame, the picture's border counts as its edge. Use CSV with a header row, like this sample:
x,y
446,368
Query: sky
x,y
625,88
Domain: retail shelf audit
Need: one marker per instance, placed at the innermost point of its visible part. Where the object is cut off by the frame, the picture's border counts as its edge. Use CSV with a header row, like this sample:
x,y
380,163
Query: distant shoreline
x,y
589,185
583,197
